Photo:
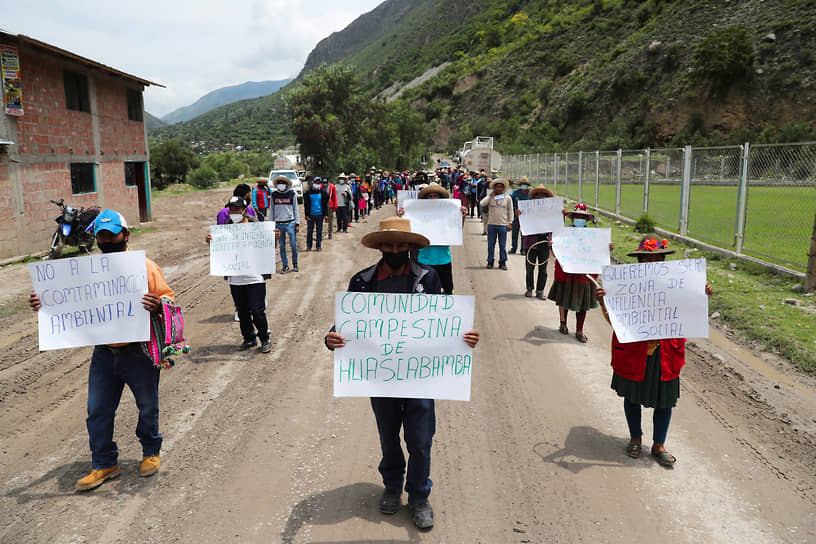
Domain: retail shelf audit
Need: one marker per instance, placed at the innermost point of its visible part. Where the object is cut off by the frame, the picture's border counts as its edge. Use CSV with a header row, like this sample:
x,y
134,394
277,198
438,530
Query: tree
x,y
169,163
328,112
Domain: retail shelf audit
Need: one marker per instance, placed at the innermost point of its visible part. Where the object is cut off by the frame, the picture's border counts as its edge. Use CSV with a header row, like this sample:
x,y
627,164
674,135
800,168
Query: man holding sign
x,y
114,365
396,273
647,373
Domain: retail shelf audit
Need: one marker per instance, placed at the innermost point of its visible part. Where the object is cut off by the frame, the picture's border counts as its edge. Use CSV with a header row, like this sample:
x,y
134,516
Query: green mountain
x,y
151,121
551,75
222,96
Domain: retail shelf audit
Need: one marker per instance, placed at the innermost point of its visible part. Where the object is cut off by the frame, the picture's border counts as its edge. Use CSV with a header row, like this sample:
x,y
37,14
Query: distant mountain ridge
x,y
223,96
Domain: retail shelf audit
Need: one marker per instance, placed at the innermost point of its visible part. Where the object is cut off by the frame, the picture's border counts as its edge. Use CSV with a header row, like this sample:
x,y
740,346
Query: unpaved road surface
x,y
258,450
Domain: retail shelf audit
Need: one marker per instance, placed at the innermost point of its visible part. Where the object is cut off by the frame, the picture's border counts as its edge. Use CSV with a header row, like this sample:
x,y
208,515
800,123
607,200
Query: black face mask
x,y
396,260
112,247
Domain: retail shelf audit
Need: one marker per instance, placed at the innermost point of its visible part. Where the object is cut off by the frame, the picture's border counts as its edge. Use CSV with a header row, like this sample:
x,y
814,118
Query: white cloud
x,y
191,46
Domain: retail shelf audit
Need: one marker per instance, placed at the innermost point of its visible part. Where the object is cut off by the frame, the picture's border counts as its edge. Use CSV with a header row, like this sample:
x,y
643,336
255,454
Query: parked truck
x,y
478,154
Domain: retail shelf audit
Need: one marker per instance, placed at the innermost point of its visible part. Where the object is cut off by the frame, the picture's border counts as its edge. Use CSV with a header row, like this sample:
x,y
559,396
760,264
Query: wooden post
x,y
810,278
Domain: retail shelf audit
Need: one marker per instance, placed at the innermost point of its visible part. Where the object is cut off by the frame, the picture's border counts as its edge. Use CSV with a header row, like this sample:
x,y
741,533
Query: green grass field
x,y
778,226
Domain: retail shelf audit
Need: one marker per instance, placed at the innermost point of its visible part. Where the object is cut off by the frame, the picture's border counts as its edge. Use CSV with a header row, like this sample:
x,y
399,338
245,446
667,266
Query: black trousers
x,y
342,218
249,302
537,254
445,273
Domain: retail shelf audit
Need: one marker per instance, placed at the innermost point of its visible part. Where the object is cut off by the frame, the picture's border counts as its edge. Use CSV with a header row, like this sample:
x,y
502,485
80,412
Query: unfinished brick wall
x,y
49,137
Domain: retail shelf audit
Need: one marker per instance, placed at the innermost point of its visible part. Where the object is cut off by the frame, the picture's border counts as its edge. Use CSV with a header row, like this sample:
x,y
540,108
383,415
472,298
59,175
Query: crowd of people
x,y
644,373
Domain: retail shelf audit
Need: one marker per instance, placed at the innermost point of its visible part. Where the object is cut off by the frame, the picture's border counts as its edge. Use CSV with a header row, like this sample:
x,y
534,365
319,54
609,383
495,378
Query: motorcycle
x,y
74,228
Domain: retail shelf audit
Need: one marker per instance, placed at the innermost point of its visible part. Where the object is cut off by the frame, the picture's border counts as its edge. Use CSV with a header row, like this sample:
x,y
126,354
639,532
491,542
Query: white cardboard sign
x,y
403,345
91,300
651,301
541,215
440,220
242,249
582,250
407,194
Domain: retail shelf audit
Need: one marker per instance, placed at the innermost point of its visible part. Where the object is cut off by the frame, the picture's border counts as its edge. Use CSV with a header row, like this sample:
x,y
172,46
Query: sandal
x,y
633,450
664,458
563,328
581,337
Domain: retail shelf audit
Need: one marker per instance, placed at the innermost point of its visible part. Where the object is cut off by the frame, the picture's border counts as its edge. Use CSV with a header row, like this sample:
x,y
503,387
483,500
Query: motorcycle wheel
x,y
57,244
88,246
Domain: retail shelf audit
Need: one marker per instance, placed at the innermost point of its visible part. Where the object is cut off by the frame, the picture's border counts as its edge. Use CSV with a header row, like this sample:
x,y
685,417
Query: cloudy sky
x,y
190,46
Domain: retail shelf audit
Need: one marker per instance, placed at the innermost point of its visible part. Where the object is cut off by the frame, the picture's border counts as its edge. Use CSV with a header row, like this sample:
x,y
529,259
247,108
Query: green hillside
x,y
556,74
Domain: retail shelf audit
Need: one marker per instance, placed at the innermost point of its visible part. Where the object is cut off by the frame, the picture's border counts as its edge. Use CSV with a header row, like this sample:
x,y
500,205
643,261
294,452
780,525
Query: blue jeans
x,y
287,229
660,420
418,420
110,370
314,228
495,232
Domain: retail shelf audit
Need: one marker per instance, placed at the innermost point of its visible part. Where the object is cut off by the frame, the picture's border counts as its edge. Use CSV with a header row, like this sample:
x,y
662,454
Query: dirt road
x,y
258,450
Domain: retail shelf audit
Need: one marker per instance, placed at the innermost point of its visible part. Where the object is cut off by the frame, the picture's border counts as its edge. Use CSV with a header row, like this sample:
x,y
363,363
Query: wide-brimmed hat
x,y
434,188
283,179
503,181
650,245
541,190
580,210
262,180
342,176
395,230
524,180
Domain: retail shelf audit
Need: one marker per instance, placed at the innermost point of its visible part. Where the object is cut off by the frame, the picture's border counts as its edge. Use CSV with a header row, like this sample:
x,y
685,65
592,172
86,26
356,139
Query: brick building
x,y
78,134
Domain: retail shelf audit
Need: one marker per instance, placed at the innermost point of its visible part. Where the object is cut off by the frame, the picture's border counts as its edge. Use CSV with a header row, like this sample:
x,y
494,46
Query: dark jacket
x,y
424,279
307,202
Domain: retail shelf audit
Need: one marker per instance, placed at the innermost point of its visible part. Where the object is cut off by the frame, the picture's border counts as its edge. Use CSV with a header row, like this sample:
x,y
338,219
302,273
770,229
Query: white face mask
x,y
236,217
282,187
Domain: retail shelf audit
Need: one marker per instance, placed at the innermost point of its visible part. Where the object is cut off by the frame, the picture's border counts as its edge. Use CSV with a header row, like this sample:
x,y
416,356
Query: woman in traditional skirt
x,y
574,292
648,373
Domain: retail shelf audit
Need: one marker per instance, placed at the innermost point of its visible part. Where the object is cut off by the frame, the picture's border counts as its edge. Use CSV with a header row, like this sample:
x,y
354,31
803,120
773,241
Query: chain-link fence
x,y
757,200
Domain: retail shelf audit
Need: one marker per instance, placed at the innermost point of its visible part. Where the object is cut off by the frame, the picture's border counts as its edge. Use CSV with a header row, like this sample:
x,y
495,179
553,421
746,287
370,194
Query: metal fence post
x,y
555,173
597,175
538,168
646,181
684,191
566,175
742,199
580,176
618,182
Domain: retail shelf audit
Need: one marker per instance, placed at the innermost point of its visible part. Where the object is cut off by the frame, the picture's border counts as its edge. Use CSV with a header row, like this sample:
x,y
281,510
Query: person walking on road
x,y
648,373
115,365
248,292
316,209
344,199
332,190
536,251
574,292
284,212
499,221
522,193
261,198
395,272
244,191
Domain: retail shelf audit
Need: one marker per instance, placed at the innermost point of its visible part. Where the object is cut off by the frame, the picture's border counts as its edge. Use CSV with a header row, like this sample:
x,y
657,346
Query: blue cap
x,y
109,220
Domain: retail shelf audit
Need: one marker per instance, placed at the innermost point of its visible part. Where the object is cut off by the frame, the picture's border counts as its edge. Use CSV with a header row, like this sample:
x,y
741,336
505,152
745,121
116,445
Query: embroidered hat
x,y
650,245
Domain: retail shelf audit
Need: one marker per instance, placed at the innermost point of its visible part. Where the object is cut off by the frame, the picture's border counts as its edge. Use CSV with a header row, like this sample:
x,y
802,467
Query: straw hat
x,y
503,181
580,211
434,188
261,180
395,230
282,179
650,245
542,191
342,176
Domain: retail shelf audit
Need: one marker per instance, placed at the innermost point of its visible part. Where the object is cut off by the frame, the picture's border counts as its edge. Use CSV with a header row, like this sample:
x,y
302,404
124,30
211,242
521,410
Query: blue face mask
x,y
579,222
524,186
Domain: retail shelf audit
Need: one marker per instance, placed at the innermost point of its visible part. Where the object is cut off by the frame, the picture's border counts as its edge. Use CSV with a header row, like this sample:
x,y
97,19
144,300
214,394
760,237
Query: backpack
x,y
166,335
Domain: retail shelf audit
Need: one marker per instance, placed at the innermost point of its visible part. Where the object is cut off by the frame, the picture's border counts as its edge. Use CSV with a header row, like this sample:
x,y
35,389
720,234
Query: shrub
x,y
723,58
202,177
645,224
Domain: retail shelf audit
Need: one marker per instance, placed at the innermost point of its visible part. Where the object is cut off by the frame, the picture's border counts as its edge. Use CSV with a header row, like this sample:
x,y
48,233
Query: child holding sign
x,y
648,373
574,292
114,365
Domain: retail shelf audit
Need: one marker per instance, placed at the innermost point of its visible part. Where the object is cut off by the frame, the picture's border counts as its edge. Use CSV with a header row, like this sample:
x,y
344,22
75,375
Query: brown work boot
x,y
150,465
96,477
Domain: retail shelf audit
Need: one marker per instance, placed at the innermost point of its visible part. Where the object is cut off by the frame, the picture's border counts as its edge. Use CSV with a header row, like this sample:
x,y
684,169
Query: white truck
x,y
478,154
